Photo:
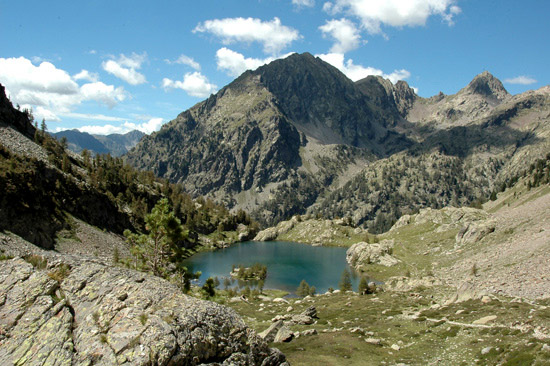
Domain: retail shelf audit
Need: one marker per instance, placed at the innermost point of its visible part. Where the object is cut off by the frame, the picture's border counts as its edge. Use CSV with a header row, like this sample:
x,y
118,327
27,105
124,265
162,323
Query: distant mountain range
x,y
115,144
297,136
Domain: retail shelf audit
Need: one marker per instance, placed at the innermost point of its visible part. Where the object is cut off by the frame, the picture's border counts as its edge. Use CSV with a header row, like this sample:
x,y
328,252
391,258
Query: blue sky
x,y
112,66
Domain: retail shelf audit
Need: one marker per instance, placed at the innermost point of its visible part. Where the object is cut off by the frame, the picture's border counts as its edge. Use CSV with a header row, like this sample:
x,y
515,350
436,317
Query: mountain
x,y
297,136
296,122
120,144
114,144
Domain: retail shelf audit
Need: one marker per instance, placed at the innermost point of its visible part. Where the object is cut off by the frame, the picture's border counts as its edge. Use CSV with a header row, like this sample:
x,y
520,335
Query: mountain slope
x,y
297,136
114,144
456,161
296,122
49,193
119,144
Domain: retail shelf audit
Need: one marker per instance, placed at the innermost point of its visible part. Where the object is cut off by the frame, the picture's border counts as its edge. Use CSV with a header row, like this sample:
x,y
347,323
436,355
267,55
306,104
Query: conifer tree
x,y
159,248
345,281
303,289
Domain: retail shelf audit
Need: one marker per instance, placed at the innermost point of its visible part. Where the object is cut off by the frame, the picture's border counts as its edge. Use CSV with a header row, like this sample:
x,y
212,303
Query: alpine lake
x,y
287,264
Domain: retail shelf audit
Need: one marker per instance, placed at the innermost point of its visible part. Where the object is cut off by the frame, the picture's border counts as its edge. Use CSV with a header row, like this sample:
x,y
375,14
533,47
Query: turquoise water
x,y
287,264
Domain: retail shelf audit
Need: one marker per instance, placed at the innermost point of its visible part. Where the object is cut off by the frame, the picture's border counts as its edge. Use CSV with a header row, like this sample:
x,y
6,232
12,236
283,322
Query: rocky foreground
x,y
58,310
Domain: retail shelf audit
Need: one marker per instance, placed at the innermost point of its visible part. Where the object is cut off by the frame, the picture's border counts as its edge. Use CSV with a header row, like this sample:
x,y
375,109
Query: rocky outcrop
x,y
394,99
446,218
361,254
405,284
312,231
77,312
474,231
272,233
13,117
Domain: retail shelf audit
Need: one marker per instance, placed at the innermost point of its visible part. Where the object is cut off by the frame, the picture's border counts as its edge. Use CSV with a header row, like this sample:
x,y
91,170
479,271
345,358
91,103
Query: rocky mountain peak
x,y
383,93
321,101
487,85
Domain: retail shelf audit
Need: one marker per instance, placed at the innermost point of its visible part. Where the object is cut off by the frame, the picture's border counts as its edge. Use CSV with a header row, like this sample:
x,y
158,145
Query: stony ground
x,y
409,328
515,259
20,144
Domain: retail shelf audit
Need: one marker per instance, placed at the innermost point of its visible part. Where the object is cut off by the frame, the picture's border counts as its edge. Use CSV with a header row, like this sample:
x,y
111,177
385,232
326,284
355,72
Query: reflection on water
x,y
287,264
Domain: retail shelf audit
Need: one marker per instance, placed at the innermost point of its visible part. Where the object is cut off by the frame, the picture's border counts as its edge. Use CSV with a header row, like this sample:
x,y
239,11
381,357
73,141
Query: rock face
x,y
87,313
361,254
311,231
14,117
474,232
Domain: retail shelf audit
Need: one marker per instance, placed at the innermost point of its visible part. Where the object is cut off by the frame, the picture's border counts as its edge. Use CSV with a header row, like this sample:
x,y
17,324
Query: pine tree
x,y
303,289
43,128
345,281
209,288
159,248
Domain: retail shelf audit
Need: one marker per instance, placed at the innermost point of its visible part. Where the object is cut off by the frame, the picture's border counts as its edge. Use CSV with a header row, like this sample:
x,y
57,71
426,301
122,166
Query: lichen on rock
x,y
113,316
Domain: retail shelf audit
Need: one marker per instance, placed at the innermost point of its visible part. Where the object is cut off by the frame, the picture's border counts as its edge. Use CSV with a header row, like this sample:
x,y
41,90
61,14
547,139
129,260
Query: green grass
x,y
387,316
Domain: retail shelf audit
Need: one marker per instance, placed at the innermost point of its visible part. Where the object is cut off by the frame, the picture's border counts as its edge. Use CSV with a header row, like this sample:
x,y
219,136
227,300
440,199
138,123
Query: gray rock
x,y
310,311
309,332
284,335
374,341
301,319
269,334
485,320
473,232
110,315
361,254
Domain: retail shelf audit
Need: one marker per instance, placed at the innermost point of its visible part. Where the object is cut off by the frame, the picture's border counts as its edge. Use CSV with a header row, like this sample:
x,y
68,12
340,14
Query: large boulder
x,y
88,313
362,254
474,231
284,335
269,334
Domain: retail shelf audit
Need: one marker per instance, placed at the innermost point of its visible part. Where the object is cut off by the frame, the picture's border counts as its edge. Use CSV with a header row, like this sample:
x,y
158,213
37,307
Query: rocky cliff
x,y
67,311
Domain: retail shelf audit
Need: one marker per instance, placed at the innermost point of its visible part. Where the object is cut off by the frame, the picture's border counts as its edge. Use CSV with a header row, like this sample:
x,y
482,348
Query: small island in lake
x,y
257,272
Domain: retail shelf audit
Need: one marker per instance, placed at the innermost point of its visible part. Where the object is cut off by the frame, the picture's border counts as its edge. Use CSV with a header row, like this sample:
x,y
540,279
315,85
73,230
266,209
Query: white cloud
x,y
43,113
195,84
86,75
395,13
272,35
344,32
304,3
234,63
51,91
125,68
521,80
186,60
100,92
20,74
358,72
148,127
